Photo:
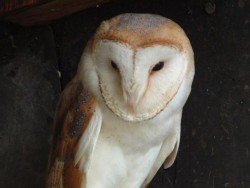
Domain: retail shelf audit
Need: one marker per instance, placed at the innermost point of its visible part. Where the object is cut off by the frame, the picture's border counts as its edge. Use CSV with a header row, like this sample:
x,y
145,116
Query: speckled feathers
x,y
140,30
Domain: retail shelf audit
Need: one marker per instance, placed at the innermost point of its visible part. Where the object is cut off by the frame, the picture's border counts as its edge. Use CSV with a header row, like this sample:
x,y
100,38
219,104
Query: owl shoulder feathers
x,y
75,131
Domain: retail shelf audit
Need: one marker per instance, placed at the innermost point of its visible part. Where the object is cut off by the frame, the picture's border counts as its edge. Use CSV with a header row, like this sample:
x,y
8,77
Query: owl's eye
x,y
158,66
114,65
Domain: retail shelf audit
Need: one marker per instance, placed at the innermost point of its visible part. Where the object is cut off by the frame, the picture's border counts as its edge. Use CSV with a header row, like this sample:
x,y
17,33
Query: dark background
x,y
215,140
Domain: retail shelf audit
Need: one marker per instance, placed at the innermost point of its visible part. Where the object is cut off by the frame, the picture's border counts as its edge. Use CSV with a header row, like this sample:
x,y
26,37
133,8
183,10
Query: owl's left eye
x,y
114,65
158,66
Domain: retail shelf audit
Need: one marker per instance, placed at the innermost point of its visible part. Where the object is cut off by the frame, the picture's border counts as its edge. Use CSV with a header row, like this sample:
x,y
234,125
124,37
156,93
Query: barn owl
x,y
118,120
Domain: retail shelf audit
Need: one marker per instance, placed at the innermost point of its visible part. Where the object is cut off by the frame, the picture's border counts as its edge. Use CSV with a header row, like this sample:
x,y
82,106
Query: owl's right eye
x,y
158,66
114,65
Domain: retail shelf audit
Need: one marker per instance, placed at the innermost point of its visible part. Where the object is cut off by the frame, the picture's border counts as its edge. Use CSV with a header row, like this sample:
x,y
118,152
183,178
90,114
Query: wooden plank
x,y
7,7
50,11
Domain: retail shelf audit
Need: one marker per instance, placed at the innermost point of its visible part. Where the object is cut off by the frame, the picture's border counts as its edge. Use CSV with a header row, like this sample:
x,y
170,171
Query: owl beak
x,y
131,97
132,102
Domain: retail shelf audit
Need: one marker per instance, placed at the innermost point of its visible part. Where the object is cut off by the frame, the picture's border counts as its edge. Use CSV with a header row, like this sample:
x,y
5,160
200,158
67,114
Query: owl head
x,y
136,65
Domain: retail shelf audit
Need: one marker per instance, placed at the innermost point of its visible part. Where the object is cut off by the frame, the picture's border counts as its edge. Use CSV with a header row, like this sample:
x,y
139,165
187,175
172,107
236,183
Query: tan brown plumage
x,y
73,114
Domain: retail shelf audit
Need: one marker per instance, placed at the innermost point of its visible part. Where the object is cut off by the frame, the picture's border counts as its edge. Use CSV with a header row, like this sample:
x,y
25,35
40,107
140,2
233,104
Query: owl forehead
x,y
138,23
140,30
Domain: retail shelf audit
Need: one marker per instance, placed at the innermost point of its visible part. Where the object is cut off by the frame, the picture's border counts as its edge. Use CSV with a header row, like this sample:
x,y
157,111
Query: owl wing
x,y
167,161
168,151
76,128
171,158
